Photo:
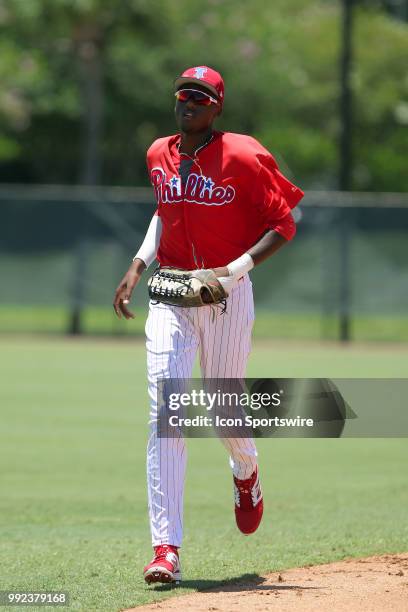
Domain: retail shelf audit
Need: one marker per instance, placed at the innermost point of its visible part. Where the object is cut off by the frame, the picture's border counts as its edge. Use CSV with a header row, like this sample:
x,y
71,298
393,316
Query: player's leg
x,y
224,350
171,342
226,344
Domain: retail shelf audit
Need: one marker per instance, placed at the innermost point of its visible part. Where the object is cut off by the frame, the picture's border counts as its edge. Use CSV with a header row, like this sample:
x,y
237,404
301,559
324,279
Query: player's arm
x,y
270,242
266,246
142,260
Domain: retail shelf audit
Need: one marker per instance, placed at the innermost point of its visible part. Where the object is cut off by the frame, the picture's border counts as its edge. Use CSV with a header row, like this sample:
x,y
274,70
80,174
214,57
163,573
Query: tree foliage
x,y
60,60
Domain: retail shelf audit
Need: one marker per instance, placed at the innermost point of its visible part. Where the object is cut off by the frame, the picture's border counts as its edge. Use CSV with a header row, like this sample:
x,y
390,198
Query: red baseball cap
x,y
205,76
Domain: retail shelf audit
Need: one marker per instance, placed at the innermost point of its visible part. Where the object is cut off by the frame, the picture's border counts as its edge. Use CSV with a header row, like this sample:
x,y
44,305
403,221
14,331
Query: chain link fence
x,y
64,250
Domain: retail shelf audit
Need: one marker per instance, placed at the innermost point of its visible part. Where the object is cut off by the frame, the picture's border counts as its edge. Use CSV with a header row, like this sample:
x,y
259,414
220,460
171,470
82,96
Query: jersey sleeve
x,y
274,196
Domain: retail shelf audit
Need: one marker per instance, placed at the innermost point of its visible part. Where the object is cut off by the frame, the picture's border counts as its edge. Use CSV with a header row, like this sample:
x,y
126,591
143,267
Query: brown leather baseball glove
x,y
186,288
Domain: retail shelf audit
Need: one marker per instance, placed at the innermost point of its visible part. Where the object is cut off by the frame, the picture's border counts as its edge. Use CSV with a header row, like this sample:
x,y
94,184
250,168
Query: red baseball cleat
x,y
248,503
165,566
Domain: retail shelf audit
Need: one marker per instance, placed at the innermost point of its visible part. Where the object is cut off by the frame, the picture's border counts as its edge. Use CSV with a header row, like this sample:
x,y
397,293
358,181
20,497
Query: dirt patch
x,y
373,584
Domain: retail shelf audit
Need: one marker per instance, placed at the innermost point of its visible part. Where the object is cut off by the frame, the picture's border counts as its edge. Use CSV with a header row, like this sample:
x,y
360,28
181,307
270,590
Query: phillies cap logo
x,y
199,73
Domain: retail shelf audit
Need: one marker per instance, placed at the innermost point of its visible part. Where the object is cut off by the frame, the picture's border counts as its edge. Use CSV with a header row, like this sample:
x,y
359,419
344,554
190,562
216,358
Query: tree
x,y
279,60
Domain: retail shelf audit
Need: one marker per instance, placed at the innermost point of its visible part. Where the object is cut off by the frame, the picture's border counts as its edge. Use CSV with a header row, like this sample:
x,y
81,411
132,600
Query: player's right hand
x,y
124,291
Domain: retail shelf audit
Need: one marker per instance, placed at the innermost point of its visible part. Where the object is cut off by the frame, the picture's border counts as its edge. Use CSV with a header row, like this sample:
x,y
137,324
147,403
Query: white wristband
x,y
148,250
240,266
228,282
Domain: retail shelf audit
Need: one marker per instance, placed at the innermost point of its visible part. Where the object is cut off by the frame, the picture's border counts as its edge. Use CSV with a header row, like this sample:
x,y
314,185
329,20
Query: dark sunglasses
x,y
199,97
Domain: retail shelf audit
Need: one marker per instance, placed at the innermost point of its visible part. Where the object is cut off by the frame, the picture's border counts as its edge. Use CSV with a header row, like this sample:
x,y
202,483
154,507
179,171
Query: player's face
x,y
192,117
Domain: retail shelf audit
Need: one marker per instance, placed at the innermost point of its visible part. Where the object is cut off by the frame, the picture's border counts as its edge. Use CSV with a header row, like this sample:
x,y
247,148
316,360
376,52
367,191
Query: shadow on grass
x,y
246,582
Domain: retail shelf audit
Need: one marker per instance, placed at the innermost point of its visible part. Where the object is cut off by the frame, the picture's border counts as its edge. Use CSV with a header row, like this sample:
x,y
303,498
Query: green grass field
x,y
73,504
100,320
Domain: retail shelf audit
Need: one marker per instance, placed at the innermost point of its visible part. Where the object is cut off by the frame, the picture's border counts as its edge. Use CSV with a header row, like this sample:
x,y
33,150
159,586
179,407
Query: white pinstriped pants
x,y
173,335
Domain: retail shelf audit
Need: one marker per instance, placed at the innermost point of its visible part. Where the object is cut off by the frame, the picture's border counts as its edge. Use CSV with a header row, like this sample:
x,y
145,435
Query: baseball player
x,y
222,206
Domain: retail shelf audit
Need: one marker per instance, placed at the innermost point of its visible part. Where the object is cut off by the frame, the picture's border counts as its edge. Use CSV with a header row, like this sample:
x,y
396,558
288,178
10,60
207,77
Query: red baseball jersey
x,y
233,194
